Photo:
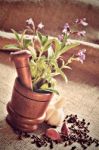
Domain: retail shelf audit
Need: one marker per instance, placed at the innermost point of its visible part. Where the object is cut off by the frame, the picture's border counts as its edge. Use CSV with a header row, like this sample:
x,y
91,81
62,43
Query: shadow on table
x,y
9,139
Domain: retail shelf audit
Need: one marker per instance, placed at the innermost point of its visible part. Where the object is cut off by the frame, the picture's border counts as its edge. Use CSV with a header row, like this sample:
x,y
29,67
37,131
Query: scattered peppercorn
x,y
26,135
73,148
19,135
78,133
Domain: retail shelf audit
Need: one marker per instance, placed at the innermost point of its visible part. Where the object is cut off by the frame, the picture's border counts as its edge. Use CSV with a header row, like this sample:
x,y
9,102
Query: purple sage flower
x,y
66,29
60,37
81,55
31,24
81,21
40,25
81,33
30,21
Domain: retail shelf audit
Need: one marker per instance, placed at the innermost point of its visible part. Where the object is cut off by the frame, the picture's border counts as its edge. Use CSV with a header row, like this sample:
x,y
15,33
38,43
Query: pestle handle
x,y
21,61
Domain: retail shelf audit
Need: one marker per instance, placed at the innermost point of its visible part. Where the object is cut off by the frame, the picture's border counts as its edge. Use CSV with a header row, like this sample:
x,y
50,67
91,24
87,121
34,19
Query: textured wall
x,y
53,13
93,2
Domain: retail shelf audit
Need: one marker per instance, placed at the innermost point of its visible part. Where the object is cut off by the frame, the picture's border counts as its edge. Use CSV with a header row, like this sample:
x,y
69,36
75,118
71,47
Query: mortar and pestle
x,y
27,109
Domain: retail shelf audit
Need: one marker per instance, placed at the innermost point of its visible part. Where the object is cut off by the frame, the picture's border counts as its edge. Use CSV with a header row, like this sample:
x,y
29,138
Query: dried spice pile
x,y
72,131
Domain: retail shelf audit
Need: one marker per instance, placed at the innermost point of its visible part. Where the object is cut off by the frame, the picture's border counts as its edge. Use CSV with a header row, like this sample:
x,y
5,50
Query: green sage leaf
x,y
11,46
16,34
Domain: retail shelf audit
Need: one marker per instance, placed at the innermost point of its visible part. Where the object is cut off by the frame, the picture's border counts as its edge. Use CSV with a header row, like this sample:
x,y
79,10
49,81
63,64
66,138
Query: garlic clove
x,y
60,103
64,129
56,118
53,134
62,116
49,112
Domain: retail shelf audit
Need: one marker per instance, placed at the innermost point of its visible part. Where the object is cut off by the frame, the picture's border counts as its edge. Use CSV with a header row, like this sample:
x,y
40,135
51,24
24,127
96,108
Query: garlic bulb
x,y
49,112
60,103
55,114
56,118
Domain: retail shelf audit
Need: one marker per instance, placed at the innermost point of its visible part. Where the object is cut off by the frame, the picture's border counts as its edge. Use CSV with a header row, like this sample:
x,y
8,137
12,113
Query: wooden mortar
x,y
27,108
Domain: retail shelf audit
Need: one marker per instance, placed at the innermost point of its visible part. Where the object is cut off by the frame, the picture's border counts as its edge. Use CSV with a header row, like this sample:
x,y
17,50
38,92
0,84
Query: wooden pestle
x,y
21,61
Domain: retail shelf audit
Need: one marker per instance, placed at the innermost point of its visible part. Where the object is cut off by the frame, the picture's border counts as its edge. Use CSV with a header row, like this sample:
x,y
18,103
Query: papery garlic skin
x,y
49,112
60,103
55,114
57,117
